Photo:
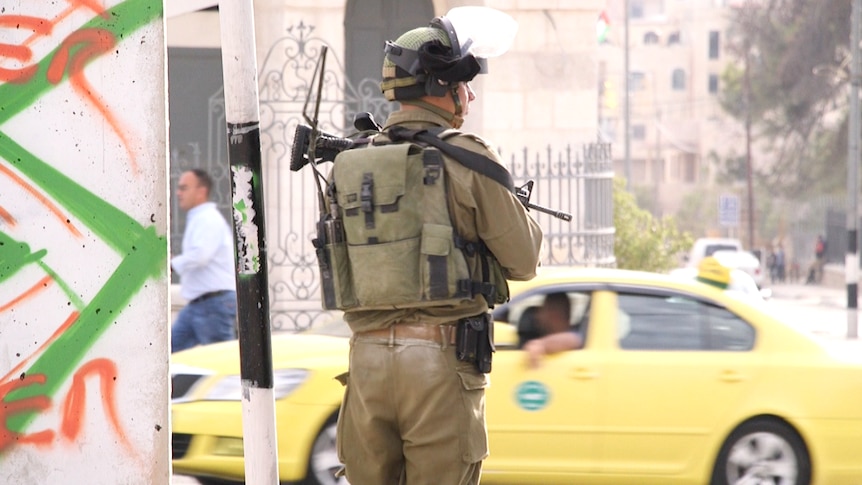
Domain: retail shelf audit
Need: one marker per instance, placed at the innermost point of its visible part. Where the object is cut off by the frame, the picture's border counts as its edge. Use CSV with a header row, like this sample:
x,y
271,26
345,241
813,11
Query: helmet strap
x,y
457,120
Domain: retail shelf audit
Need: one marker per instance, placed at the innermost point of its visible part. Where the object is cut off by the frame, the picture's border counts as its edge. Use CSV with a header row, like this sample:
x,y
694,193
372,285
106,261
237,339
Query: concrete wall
x,y
83,252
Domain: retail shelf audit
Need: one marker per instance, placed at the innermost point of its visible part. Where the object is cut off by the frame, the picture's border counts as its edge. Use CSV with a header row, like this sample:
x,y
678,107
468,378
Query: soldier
x,y
413,413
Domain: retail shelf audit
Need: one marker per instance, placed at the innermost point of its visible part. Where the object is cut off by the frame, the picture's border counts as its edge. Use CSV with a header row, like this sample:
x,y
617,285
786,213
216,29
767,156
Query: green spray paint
x,y
14,255
144,256
143,251
123,19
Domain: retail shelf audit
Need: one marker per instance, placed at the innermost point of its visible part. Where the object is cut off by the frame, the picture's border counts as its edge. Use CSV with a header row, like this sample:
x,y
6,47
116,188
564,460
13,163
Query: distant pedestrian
x,y
780,264
770,265
206,268
820,248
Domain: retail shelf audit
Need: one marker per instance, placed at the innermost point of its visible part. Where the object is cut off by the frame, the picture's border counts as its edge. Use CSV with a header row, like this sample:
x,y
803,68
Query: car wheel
x,y
763,452
323,461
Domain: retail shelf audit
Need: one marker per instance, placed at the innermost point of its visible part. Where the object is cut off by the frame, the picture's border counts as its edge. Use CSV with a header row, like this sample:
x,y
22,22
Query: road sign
x,y
728,210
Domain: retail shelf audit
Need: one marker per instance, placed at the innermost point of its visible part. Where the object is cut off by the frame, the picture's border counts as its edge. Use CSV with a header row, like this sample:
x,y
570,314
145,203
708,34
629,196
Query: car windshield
x,y
712,248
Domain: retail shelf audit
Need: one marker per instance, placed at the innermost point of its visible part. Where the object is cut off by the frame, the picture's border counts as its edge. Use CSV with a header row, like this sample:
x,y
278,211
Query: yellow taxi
x,y
677,383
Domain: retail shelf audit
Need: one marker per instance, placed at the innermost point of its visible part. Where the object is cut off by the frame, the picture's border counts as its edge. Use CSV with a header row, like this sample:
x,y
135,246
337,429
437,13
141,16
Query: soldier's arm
x,y
503,223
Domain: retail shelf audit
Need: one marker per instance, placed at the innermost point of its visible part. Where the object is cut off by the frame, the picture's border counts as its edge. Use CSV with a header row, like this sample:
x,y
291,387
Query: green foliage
x,y
798,118
641,241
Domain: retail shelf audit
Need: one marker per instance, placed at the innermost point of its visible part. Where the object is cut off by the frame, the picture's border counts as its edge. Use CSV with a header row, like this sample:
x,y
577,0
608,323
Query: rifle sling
x,y
470,159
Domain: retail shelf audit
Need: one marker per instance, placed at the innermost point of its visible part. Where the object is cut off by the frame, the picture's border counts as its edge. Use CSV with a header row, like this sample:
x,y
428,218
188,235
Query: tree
x,y
798,117
641,241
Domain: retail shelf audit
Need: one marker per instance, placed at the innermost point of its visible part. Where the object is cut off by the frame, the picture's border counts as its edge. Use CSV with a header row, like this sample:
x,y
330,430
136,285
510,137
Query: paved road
x,y
820,310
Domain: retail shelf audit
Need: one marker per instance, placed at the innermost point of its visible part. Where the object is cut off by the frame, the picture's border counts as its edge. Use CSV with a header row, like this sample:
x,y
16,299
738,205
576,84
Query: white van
x,y
706,246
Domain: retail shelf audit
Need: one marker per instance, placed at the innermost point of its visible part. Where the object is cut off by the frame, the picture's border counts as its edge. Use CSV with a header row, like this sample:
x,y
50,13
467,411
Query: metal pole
x,y
748,162
626,110
852,260
242,113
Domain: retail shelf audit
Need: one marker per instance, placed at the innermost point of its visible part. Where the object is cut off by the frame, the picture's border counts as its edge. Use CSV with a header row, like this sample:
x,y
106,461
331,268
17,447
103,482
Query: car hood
x,y
288,351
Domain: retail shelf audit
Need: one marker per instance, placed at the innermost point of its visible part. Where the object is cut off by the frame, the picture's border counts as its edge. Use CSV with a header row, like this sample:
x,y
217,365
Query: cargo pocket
x,y
339,425
390,271
474,443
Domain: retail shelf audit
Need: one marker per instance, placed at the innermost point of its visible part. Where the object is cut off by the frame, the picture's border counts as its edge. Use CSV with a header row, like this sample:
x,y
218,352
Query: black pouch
x,y
474,341
336,284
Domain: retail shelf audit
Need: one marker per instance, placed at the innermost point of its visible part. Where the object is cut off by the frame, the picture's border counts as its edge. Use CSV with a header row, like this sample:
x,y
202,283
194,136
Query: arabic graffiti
x,y
83,251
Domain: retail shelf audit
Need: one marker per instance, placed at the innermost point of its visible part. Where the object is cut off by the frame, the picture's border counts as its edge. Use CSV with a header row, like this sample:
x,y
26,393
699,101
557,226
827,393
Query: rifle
x,y
525,191
313,146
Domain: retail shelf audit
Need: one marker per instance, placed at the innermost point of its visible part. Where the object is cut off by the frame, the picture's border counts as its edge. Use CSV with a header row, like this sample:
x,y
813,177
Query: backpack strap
x,y
470,159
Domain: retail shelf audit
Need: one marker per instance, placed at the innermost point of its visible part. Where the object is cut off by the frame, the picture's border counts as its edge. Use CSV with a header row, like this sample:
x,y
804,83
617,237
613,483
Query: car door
x,y
542,421
681,367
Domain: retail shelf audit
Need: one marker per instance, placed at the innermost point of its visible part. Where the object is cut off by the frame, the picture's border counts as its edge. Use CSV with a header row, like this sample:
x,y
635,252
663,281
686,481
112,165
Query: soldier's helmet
x,y
453,48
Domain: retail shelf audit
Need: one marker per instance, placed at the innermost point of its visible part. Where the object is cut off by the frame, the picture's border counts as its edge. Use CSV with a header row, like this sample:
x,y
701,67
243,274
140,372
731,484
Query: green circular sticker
x,y
532,395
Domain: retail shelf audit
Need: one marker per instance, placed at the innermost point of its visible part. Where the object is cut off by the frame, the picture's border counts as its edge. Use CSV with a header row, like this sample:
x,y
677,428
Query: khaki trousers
x,y
412,414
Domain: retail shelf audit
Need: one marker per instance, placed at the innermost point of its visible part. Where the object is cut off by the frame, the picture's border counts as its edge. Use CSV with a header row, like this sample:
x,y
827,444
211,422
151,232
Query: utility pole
x,y
748,160
626,87
242,113
852,260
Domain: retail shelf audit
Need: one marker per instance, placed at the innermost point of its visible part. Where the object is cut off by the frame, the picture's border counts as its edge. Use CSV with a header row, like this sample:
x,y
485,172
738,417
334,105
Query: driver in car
x,y
558,334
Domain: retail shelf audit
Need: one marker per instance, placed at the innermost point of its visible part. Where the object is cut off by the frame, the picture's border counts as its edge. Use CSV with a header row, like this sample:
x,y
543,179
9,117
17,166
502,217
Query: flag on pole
x,y
603,26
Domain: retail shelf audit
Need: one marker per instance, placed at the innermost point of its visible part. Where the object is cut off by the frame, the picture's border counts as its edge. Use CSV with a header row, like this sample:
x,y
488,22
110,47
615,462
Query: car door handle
x,y
732,376
583,374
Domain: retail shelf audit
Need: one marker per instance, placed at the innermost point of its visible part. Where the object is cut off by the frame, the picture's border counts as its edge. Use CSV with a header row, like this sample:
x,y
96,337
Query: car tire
x,y
323,460
763,451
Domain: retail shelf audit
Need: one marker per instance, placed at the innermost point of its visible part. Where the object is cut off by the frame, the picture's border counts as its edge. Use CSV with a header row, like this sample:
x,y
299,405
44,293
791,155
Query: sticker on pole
x,y
532,395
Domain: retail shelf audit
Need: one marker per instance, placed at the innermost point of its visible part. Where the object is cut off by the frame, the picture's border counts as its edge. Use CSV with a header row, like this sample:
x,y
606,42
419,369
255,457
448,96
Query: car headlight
x,y
284,381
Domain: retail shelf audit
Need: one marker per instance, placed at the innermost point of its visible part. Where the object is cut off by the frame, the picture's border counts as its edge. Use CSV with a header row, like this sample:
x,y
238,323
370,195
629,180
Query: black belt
x,y
207,296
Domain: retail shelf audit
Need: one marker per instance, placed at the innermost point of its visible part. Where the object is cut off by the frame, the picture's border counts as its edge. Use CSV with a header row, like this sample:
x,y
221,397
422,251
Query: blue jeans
x,y
205,322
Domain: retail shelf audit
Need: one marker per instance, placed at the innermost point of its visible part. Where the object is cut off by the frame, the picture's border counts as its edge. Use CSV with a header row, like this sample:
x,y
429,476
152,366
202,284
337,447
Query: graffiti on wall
x,y
82,244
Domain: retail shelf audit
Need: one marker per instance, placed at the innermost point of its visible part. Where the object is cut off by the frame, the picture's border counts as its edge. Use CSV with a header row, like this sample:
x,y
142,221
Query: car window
x,y
711,248
522,313
676,322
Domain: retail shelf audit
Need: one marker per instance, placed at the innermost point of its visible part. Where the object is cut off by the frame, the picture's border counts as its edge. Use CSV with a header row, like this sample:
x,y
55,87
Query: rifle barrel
x,y
558,214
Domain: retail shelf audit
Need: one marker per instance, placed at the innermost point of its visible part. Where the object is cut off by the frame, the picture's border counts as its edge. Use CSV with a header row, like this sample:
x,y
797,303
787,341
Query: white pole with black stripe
x,y
242,113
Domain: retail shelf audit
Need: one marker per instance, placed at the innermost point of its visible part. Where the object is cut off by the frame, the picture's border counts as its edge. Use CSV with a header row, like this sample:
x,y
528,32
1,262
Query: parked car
x,y
707,246
742,260
741,283
678,383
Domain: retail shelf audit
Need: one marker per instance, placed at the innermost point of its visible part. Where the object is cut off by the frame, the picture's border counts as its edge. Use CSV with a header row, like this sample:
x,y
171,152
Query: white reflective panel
x,y
488,31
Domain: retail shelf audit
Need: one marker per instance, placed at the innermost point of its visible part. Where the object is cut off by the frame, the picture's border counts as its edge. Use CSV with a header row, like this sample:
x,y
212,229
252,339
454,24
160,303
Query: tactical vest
x,y
387,240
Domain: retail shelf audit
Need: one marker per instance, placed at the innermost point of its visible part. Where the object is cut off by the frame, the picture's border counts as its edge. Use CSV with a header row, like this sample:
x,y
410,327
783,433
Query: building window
x,y
713,83
683,168
636,9
636,81
650,38
678,80
689,168
673,38
638,132
713,44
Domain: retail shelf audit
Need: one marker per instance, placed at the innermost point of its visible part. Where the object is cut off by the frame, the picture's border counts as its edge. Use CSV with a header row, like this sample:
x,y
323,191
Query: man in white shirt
x,y
206,268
